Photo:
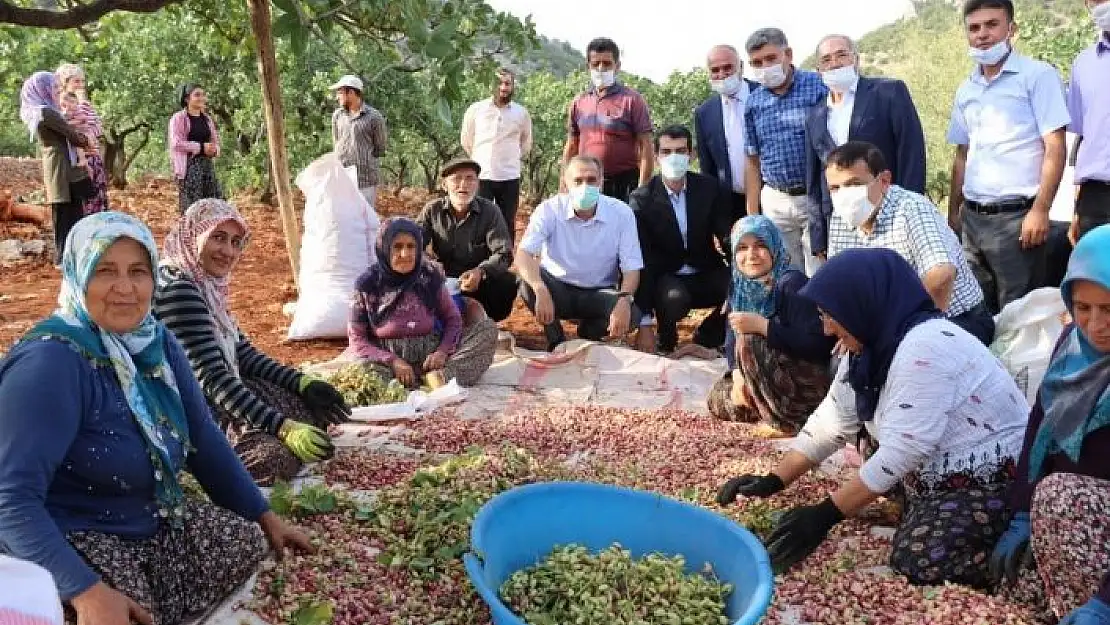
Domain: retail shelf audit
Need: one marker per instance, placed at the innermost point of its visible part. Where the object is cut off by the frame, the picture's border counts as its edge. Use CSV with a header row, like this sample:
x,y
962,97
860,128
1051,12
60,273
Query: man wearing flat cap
x,y
359,134
469,237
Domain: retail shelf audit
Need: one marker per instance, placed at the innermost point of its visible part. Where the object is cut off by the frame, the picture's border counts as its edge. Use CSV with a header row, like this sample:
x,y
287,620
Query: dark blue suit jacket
x,y
709,129
883,115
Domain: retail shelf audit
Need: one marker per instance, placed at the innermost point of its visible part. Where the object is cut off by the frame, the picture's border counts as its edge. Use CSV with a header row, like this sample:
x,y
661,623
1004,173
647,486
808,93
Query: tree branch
x,y
139,148
76,16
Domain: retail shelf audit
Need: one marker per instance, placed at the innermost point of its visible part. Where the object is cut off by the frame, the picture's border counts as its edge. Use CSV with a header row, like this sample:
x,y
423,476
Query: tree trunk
x,y
275,126
115,157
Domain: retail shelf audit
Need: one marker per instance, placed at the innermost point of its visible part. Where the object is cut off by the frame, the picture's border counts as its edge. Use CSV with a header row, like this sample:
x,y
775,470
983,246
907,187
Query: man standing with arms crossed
x,y
497,133
1008,128
359,135
612,123
775,134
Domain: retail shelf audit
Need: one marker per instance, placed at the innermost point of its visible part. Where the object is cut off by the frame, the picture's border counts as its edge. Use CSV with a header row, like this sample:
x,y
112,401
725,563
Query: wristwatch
x,y
623,294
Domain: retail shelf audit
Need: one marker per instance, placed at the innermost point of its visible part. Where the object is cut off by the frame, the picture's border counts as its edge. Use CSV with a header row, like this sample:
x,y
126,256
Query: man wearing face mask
x,y
719,124
579,259
870,211
683,220
775,136
1008,126
876,110
1089,106
612,123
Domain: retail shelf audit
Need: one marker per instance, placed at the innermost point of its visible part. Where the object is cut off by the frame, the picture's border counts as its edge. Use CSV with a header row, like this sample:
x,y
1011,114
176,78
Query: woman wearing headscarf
x,y
99,414
273,415
193,142
1061,497
947,416
404,321
62,178
778,356
71,80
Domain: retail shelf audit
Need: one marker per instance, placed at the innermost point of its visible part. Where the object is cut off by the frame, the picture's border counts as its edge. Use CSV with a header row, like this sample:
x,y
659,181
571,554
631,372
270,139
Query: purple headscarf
x,y
382,288
37,94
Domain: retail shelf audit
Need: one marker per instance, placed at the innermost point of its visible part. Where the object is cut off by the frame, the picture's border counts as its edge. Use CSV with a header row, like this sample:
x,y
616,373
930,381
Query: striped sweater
x,y
179,305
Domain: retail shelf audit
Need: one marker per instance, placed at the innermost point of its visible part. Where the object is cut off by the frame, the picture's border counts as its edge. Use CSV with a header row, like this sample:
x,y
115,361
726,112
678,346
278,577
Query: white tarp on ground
x,y
579,372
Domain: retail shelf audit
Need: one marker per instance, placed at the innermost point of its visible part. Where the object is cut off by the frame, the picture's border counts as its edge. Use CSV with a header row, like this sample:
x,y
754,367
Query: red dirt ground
x,y
261,285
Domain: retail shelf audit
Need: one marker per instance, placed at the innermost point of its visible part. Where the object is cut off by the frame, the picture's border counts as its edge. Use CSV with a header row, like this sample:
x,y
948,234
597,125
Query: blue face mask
x,y
585,196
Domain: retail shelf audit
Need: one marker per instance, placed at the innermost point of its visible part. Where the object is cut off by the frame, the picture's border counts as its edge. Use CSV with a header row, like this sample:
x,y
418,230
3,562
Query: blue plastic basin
x,y
520,527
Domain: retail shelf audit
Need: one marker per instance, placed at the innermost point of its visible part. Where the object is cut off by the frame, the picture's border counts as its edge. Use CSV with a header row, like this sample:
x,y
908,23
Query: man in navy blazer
x,y
876,110
720,138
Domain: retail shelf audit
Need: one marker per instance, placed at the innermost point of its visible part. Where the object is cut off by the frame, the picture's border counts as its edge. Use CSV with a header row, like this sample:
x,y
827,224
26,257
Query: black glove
x,y
325,402
749,486
800,532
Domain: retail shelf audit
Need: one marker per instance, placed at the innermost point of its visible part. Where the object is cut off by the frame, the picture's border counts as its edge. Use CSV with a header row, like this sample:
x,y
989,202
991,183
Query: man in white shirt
x,y
719,125
497,133
580,259
1008,126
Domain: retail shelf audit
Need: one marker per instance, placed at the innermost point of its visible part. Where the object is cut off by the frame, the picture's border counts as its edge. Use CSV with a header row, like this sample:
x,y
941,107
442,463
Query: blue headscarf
x,y
878,297
750,294
138,357
382,287
1075,392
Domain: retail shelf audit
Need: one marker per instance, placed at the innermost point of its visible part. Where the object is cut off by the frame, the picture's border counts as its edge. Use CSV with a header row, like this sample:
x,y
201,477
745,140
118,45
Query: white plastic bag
x,y
1026,331
339,232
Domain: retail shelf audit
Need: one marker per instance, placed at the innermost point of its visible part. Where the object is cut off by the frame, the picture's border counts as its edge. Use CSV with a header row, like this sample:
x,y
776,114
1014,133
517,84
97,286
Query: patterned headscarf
x,y
878,297
1075,392
138,357
382,288
181,258
37,94
751,294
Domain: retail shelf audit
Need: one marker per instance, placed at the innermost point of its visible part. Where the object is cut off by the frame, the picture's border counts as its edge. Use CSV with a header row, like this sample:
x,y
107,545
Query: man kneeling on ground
x,y
469,237
684,220
580,259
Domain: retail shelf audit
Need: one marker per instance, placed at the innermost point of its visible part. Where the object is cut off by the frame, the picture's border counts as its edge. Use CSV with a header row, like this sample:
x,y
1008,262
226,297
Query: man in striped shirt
x,y
359,134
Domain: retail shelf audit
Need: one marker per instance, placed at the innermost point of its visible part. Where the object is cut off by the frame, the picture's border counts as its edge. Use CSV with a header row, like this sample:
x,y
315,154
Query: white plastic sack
x,y
1026,331
339,232
418,402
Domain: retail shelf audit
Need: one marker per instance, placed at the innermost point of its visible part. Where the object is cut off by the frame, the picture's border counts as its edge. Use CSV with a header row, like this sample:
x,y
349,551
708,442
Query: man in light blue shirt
x,y
1008,126
580,259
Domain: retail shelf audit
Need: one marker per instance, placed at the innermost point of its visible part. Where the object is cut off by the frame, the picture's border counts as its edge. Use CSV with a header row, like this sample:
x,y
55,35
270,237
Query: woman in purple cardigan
x,y
1061,497
193,142
404,321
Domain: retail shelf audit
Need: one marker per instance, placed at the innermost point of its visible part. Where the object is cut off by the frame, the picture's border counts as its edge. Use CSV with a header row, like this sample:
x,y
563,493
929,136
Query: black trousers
x,y
675,296
506,194
1004,269
739,207
589,307
496,293
620,185
65,216
1092,205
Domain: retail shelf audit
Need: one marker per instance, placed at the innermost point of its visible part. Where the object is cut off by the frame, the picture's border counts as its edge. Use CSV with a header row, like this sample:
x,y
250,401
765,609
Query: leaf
x,y
314,614
286,6
281,499
443,110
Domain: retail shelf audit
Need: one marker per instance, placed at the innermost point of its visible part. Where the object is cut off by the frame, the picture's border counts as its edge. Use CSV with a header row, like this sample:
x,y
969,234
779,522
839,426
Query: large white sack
x,y
1026,331
339,232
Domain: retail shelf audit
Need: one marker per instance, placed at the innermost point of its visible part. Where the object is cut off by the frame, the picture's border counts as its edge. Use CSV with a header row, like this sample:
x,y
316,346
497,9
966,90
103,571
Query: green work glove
x,y
307,442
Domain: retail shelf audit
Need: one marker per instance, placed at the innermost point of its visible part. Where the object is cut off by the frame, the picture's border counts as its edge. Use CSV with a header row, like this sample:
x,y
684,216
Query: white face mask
x,y
674,166
726,86
1101,15
602,79
840,79
992,55
852,205
771,77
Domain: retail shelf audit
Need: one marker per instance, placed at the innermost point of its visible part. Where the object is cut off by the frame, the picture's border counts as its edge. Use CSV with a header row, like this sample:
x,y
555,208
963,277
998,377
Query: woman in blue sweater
x,y
778,356
99,413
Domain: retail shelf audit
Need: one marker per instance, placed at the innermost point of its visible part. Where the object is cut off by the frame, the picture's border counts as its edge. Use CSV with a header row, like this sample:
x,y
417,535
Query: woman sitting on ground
x,y
274,416
779,368
99,413
947,416
1061,497
404,321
